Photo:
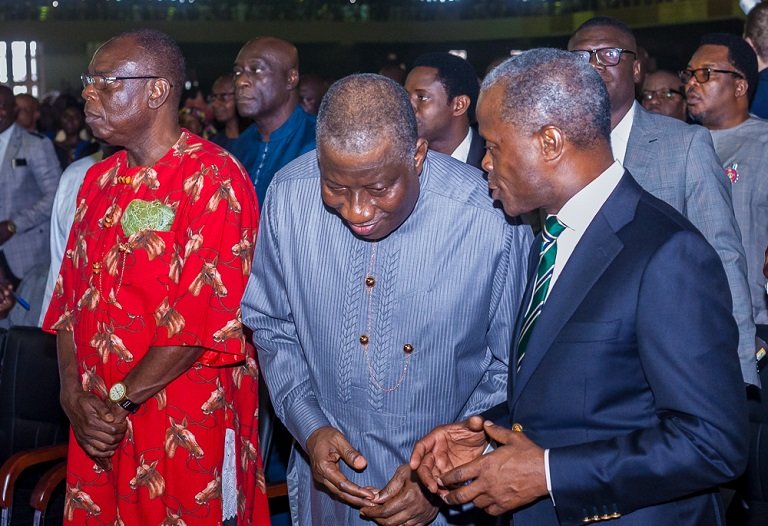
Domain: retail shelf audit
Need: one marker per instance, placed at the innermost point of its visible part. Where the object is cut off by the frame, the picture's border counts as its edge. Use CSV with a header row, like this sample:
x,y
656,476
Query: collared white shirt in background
x,y
620,134
577,214
462,150
5,138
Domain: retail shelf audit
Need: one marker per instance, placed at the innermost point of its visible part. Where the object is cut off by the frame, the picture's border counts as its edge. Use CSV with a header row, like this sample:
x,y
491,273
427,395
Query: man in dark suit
x,y
673,161
443,90
612,381
29,175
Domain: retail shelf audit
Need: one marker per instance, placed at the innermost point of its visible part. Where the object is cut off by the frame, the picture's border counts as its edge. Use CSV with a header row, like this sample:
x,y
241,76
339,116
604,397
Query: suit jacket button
x,y
517,428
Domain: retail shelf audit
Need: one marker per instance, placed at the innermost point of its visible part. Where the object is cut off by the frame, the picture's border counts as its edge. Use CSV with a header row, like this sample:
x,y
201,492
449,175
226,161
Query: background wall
x,y
669,30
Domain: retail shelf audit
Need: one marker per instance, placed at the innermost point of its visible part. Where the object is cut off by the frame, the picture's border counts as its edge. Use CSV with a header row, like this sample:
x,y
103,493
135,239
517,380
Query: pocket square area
x,y
147,215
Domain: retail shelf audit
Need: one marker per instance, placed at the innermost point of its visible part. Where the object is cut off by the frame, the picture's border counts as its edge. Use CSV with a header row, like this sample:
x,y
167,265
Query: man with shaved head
x,y
156,377
381,300
266,89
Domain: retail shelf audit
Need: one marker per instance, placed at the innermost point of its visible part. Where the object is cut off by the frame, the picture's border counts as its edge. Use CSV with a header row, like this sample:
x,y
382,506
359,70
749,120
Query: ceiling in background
x,y
294,10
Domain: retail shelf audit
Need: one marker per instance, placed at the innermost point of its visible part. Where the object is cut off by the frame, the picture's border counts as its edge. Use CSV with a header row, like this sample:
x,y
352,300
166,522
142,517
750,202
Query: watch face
x,y
117,392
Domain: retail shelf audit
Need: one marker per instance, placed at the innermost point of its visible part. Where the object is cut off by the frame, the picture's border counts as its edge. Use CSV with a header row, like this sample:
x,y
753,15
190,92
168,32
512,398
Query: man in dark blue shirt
x,y
266,78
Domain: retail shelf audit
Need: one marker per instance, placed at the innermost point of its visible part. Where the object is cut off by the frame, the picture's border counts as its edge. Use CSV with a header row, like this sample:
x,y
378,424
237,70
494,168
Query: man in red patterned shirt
x,y
157,380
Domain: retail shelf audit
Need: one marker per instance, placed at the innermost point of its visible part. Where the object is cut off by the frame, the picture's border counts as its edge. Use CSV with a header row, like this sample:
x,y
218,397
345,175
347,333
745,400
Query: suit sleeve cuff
x,y
306,417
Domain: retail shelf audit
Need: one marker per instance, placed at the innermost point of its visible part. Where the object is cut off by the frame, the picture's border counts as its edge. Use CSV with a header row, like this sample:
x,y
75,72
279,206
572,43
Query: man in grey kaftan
x,y
371,333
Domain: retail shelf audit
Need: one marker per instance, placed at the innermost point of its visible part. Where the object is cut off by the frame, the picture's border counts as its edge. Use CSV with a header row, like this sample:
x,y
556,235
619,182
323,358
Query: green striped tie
x,y
547,255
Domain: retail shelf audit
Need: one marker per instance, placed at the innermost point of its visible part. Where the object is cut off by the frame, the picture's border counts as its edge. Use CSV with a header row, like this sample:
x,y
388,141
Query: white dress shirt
x,y
620,134
577,214
462,150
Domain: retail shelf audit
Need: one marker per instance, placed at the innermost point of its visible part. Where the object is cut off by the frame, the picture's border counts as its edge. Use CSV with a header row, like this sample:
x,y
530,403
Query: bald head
x,y
266,78
360,112
283,51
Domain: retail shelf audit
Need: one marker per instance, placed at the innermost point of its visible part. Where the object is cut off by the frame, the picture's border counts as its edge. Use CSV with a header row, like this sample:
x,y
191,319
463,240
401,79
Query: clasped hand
x,y
99,427
400,502
449,462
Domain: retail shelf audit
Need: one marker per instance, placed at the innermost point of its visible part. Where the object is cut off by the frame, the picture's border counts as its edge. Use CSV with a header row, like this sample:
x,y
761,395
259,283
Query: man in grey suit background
x,y
29,175
673,161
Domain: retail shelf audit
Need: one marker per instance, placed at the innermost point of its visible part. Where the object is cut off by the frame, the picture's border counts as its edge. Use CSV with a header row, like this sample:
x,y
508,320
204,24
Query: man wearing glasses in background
x,y
674,161
720,81
222,102
663,94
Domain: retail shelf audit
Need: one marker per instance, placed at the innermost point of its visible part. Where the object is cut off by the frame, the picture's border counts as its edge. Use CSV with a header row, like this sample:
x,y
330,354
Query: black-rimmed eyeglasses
x,y
605,56
702,74
661,94
102,81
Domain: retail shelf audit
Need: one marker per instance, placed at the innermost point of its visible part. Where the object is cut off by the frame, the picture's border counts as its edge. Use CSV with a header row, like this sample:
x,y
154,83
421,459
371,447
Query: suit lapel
x,y
640,146
593,254
14,145
476,150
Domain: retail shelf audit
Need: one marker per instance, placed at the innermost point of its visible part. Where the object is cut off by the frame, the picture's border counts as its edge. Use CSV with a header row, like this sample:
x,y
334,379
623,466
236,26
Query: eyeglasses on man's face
x,y
101,82
605,56
702,74
223,97
661,94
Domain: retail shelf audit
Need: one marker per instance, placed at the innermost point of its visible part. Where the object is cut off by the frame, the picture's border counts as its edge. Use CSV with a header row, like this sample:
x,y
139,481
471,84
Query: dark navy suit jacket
x,y
631,376
476,150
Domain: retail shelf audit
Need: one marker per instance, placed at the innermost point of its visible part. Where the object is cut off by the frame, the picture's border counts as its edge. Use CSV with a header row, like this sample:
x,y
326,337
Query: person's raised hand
x,y
447,447
327,447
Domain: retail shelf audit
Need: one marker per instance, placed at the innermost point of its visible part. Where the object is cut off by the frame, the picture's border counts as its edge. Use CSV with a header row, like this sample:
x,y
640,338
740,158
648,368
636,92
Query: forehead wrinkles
x,y
111,58
271,55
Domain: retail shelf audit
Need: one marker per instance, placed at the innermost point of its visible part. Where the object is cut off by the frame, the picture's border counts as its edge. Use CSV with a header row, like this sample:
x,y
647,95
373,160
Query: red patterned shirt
x,y
159,256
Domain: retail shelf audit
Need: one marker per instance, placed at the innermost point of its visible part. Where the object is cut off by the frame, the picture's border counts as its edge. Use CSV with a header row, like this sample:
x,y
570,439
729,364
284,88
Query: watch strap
x,y
129,406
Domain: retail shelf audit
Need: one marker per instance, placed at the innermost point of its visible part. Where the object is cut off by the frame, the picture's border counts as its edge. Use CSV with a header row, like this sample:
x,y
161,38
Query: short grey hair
x,y
544,87
361,111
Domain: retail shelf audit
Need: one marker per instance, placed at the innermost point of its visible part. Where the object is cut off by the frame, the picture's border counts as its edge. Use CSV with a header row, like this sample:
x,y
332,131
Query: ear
x,y
742,88
460,105
751,44
159,91
552,141
293,78
637,68
421,153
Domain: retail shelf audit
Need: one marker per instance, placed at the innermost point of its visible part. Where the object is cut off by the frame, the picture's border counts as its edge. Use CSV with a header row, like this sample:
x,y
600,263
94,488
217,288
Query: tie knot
x,y
553,227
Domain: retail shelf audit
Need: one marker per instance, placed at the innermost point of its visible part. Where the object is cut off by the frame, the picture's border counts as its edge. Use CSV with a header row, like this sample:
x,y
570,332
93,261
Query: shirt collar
x,y
577,213
462,150
289,126
5,136
620,134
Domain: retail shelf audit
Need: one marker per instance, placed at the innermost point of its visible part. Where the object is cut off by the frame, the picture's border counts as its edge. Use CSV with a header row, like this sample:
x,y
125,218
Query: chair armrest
x,y
16,464
47,484
277,489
